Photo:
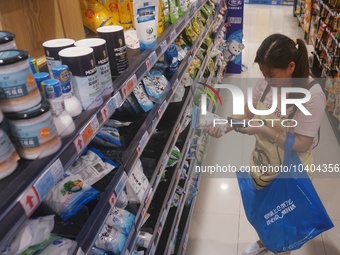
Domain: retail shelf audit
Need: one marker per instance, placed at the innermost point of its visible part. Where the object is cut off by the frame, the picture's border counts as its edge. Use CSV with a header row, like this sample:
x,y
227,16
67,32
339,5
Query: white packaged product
x,y
34,132
7,41
72,103
18,89
34,231
69,195
8,156
63,121
122,200
143,239
91,167
146,22
62,246
121,220
111,239
137,184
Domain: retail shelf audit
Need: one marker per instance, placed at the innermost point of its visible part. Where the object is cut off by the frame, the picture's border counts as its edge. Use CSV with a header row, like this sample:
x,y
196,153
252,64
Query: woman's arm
x,y
302,143
217,130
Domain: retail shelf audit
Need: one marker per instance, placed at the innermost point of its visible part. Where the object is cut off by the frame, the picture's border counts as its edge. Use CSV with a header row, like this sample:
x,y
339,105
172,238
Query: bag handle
x,y
289,143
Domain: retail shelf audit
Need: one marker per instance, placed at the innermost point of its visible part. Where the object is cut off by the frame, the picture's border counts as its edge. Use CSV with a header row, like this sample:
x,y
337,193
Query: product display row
x,y
326,57
122,168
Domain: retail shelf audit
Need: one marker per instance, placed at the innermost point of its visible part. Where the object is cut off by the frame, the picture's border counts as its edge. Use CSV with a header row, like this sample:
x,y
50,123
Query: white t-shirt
x,y
307,125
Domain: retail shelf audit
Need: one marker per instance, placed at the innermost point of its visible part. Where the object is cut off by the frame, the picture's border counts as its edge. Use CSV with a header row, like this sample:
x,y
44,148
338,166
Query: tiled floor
x,y
219,225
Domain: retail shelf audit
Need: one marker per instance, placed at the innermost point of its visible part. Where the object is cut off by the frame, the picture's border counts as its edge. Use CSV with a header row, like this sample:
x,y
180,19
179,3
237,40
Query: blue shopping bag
x,y
288,212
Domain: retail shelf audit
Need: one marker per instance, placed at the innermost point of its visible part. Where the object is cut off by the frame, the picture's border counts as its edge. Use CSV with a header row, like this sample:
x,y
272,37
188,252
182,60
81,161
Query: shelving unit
x,y
306,11
326,53
39,176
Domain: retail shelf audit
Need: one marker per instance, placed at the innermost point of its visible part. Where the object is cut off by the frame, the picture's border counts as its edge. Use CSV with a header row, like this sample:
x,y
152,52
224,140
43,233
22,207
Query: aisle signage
x,y
30,201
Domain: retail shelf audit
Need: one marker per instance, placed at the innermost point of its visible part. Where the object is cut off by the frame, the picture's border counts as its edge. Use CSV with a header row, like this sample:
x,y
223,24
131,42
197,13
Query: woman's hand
x,y
216,132
254,129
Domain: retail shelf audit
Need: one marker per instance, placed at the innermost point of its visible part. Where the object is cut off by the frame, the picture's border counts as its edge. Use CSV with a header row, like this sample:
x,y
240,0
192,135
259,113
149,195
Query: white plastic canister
x,y
18,89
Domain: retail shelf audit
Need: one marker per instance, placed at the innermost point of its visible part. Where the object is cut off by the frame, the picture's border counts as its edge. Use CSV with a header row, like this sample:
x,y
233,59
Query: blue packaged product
x,y
121,220
144,101
156,86
171,59
108,136
97,251
69,195
111,239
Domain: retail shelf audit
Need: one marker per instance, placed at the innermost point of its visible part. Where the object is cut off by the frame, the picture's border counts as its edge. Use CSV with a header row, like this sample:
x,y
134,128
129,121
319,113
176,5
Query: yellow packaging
x,y
112,7
95,15
161,18
125,11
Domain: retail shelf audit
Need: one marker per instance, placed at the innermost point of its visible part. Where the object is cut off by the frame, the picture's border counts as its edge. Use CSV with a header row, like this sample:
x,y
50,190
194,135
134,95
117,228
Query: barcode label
x,y
99,167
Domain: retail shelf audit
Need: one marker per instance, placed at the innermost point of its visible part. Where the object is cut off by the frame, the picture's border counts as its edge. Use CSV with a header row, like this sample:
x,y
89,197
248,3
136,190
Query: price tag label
x,y
105,113
128,86
178,128
153,58
79,144
127,252
163,218
53,175
153,249
95,124
30,201
173,36
87,134
174,86
142,143
148,64
80,252
163,46
121,183
162,109
189,59
164,162
159,230
187,19
154,123
185,242
112,199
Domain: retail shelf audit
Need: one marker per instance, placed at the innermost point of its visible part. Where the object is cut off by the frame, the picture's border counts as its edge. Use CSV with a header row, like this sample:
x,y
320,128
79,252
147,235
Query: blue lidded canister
x,y
40,77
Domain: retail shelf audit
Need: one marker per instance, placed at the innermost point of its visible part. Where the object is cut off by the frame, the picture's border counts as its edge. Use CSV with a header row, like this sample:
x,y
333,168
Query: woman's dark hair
x,y
278,50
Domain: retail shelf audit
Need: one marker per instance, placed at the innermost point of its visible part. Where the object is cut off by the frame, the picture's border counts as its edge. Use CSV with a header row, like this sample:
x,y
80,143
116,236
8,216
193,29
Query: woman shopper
x,y
283,63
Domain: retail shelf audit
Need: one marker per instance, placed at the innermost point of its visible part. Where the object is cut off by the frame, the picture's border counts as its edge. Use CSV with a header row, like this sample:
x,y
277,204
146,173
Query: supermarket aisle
x,y
219,225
